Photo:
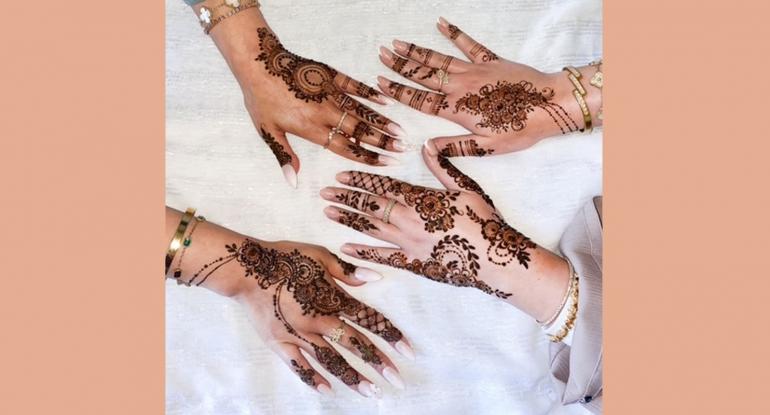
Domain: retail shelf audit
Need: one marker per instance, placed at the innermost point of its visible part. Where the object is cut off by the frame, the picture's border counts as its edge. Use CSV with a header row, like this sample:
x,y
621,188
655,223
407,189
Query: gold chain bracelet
x,y
206,14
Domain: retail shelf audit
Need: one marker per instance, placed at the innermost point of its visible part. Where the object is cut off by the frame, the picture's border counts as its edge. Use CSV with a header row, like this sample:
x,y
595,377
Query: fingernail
x,y
405,350
366,274
430,147
399,44
388,100
385,53
399,145
442,21
328,193
383,81
368,389
290,175
331,212
388,161
348,249
343,177
325,390
393,377
396,130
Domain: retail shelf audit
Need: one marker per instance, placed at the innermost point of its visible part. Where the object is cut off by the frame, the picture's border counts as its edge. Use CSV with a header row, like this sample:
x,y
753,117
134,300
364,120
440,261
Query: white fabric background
x,y
475,355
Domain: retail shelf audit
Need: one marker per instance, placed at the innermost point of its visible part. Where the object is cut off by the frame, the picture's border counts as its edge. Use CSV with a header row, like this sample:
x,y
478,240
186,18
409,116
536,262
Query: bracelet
x,y
569,323
186,242
232,7
176,241
579,92
550,321
598,81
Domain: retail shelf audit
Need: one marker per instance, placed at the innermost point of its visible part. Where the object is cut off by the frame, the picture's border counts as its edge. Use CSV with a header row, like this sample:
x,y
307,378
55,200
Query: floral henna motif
x,y
358,201
505,106
356,221
465,148
336,365
463,181
361,129
308,79
370,157
305,374
453,261
280,153
347,267
368,351
454,32
505,243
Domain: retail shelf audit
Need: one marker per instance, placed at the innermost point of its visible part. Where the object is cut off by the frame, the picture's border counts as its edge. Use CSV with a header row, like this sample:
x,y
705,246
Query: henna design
x,y
375,322
361,129
280,154
505,243
369,115
505,106
396,90
428,74
417,99
370,157
486,54
462,180
347,267
359,201
368,351
445,64
398,64
385,141
365,91
308,79
454,31
438,103
423,53
306,375
465,148
452,261
336,365
358,222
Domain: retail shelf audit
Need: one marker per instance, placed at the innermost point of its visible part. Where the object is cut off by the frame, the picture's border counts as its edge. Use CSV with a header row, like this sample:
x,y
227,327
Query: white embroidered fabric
x,y
475,355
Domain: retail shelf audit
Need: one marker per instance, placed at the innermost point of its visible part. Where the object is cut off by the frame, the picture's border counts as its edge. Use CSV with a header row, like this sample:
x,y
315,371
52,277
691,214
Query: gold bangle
x,y
569,324
563,302
176,241
598,81
186,242
208,20
580,92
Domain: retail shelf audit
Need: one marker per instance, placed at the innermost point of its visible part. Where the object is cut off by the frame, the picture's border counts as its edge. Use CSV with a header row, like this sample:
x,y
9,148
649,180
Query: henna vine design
x,y
359,201
306,280
370,157
505,243
356,221
368,351
305,374
463,181
465,148
347,267
361,129
453,261
308,79
280,153
505,106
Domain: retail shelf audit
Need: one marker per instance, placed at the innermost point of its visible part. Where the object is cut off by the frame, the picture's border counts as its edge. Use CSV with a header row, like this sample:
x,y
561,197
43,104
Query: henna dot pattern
x,y
505,243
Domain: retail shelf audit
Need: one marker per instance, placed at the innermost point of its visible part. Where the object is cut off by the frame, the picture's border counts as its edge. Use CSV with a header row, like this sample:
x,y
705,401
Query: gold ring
x,y
342,119
337,333
388,209
330,136
443,78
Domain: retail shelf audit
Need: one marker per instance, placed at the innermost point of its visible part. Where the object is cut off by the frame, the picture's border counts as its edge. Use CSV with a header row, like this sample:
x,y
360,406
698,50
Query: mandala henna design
x,y
358,201
280,153
308,79
505,243
356,221
454,31
463,181
368,351
453,261
465,148
347,267
336,365
505,106
305,374
370,157
486,54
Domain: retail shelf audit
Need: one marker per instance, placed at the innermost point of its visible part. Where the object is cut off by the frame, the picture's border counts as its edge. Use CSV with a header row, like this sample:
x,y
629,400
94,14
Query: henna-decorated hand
x,y
286,93
505,105
290,292
454,236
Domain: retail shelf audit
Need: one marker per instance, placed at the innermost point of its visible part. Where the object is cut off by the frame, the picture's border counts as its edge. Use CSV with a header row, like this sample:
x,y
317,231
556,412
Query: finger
x,y
349,105
374,183
469,145
474,50
335,364
419,99
279,145
360,131
449,175
291,355
367,203
339,143
349,273
359,89
424,75
360,346
365,224
430,57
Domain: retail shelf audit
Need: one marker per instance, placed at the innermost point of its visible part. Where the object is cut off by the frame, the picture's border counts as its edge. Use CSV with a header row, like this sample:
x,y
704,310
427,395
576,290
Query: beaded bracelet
x,y
176,241
569,323
186,242
579,92
232,7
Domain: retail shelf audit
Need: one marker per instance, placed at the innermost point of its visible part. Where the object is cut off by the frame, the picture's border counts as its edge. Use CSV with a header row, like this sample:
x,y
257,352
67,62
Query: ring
x,y
329,138
337,333
388,208
342,119
443,78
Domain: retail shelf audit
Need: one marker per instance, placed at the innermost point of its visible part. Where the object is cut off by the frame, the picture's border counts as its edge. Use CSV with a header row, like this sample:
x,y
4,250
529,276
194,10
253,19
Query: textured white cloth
x,y
474,353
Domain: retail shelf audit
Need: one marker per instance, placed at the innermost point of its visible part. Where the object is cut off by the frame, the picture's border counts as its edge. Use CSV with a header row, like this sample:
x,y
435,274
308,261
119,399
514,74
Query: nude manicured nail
x,y
396,130
399,145
394,378
328,193
368,389
367,275
348,249
331,212
343,177
290,175
385,53
442,21
405,350
325,390
388,161
399,44
388,100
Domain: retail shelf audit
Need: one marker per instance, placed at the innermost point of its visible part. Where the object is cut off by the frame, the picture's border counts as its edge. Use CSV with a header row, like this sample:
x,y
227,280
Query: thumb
x,y
279,145
469,145
449,175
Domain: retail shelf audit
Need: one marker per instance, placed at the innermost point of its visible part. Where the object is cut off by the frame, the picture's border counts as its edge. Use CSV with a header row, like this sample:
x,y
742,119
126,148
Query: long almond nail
x,y
399,145
331,212
366,274
442,21
405,350
290,175
385,53
399,44
368,389
325,390
348,249
388,161
343,177
393,377
328,193
396,130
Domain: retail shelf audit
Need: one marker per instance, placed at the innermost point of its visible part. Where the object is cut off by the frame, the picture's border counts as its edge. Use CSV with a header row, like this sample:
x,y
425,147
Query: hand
x,y
286,93
506,106
454,236
292,298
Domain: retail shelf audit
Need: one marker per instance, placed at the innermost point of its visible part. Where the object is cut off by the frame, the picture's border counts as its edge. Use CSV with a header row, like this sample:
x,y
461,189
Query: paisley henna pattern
x,y
453,261
505,243
368,351
305,374
505,106
280,154
358,222
465,148
308,79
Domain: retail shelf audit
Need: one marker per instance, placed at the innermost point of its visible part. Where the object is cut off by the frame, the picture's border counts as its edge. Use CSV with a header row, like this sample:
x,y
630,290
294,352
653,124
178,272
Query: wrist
x,y
563,94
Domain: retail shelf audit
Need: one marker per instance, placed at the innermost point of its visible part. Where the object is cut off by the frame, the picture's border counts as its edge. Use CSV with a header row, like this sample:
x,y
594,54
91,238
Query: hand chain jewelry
x,y
232,7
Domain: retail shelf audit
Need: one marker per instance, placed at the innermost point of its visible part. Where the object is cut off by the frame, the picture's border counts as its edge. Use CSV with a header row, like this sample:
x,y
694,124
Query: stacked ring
x,y
388,209
337,333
